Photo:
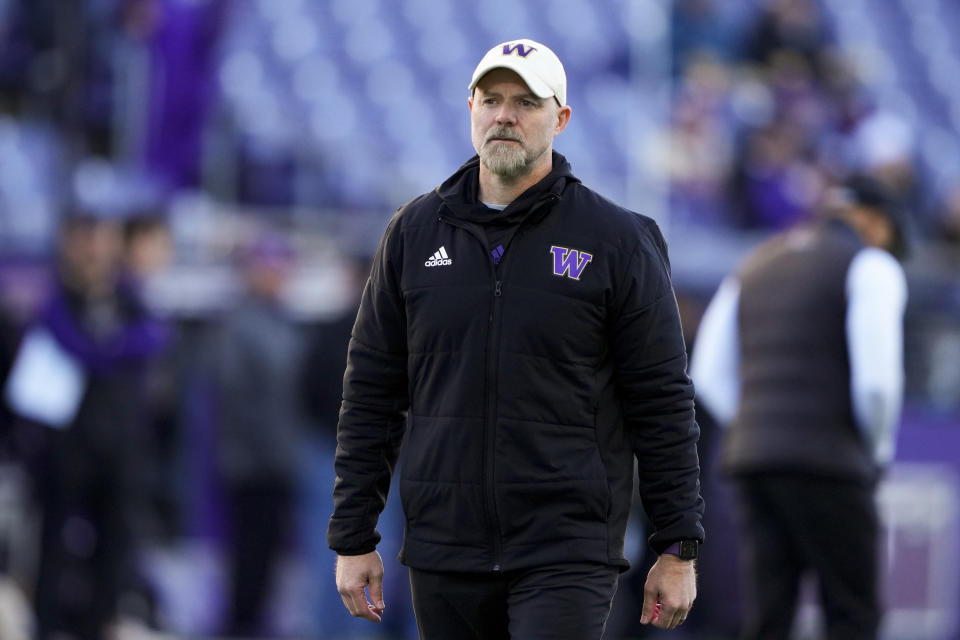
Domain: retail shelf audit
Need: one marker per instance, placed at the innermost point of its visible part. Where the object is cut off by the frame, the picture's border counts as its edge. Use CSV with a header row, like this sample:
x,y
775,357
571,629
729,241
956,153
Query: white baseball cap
x,y
539,67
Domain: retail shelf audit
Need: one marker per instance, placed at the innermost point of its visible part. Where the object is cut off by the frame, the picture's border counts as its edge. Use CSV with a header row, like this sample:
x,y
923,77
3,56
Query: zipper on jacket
x,y
499,274
489,418
490,422
492,376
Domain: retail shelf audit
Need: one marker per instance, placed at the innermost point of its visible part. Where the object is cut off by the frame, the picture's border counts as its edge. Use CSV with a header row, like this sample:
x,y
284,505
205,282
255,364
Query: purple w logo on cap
x,y
521,51
569,262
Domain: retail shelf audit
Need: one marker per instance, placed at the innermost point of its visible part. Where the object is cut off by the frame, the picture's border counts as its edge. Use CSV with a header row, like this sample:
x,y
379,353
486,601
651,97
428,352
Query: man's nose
x,y
507,114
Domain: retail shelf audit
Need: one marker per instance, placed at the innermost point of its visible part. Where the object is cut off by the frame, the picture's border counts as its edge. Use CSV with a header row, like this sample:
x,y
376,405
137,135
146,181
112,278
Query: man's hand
x,y
669,592
354,575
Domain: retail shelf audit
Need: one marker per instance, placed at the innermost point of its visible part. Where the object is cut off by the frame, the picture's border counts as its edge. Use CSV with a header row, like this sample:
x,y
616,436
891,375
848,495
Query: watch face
x,y
689,549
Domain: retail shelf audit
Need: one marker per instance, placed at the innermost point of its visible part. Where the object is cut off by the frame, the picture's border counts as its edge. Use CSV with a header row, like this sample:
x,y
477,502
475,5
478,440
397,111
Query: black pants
x,y
792,523
570,601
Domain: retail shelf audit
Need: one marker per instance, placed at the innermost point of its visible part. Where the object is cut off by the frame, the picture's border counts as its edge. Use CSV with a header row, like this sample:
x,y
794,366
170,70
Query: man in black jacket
x,y
520,336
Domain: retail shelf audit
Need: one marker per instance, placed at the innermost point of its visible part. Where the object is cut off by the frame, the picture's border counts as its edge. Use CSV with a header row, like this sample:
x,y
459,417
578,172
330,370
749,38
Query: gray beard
x,y
504,160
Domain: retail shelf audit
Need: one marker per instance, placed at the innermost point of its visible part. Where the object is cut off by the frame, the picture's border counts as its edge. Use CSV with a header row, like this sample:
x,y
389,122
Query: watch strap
x,y
684,549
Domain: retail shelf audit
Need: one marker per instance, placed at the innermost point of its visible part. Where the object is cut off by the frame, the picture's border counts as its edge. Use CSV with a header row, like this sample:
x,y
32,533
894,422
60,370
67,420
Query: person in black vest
x,y
801,354
520,336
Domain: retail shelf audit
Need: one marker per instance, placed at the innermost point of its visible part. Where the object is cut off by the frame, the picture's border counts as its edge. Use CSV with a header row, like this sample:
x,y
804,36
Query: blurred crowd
x,y
174,319
764,118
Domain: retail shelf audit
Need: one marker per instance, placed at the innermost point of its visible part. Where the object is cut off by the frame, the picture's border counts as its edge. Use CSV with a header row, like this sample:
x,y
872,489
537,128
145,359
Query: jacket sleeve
x,y
656,394
375,400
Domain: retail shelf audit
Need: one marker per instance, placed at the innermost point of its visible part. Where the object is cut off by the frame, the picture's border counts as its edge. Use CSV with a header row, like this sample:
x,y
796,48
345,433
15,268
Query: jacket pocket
x,y
551,482
440,486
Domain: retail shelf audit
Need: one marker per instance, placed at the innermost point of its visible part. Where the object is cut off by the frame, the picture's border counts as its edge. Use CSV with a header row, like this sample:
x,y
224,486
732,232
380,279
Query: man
x,y
261,429
801,352
520,334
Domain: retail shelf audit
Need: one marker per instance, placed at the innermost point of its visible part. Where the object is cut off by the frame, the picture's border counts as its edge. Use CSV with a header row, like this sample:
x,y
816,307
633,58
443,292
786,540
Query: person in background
x,y
261,427
84,469
147,253
795,26
801,354
518,348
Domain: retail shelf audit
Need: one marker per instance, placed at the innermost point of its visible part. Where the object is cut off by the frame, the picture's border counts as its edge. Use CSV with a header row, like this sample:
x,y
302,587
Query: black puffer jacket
x,y
524,391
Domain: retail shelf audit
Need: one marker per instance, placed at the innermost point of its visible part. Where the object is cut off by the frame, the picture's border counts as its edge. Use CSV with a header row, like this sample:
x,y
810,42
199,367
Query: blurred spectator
x,y
801,353
261,428
777,182
695,155
147,252
84,461
788,25
799,97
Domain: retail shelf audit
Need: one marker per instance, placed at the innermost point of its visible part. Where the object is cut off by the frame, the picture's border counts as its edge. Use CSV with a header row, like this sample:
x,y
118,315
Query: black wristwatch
x,y
684,549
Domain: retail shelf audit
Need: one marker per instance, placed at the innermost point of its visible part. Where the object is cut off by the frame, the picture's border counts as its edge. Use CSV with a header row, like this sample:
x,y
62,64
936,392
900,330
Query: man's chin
x,y
504,165
503,148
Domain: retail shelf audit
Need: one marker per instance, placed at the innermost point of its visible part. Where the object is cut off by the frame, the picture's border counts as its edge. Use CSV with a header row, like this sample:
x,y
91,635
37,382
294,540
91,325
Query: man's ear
x,y
563,118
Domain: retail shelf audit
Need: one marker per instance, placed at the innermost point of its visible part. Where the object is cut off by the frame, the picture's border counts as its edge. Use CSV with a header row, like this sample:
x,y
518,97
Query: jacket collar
x,y
459,194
